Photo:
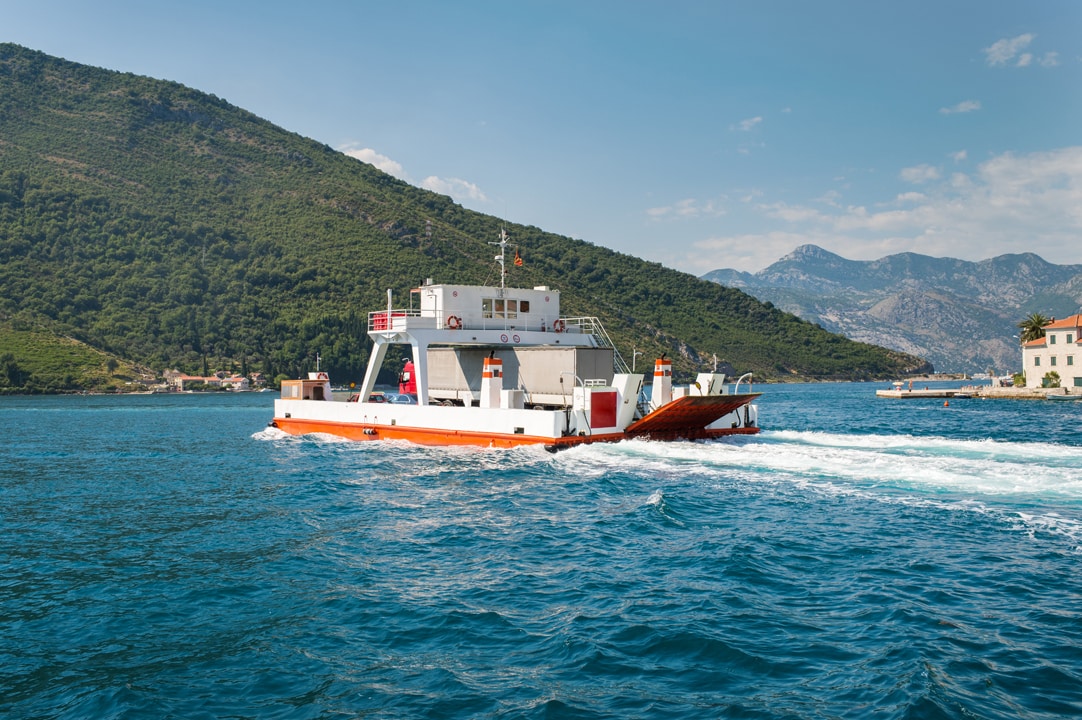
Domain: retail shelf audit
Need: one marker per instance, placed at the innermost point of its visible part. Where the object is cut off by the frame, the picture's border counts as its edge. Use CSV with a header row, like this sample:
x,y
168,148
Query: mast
x,y
501,258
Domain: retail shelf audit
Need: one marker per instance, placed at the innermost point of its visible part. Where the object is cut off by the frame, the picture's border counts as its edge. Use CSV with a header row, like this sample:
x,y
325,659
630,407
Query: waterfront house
x,y
1059,351
182,382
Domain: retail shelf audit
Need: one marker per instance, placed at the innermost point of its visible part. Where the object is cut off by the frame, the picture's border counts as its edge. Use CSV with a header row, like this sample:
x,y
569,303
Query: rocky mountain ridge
x,y
960,315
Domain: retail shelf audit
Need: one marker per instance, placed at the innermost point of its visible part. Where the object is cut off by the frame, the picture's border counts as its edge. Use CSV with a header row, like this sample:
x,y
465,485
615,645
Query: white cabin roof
x,y
474,304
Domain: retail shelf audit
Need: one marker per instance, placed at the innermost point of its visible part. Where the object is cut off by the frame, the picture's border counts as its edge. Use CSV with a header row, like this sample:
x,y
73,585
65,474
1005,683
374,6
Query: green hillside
x,y
40,361
165,226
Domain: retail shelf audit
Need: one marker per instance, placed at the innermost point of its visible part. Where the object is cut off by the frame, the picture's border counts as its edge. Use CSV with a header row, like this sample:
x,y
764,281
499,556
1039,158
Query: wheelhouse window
x,y
503,307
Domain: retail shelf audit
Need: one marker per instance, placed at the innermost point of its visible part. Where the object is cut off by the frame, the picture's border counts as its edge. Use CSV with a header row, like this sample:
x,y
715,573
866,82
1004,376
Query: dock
x,y
935,393
973,391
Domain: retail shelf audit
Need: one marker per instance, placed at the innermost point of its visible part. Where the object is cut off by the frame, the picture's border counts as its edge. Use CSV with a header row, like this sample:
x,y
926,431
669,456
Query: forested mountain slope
x,y
167,227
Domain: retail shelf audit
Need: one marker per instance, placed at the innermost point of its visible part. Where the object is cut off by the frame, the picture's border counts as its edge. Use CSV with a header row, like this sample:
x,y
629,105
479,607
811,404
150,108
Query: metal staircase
x,y
593,326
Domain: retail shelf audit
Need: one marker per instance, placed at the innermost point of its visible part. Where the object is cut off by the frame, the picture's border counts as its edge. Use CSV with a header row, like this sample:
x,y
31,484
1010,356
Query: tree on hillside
x,y
10,373
1032,327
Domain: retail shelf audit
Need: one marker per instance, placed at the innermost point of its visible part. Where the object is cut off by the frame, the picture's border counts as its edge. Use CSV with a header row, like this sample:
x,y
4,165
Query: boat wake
x,y
1033,487
936,465
931,464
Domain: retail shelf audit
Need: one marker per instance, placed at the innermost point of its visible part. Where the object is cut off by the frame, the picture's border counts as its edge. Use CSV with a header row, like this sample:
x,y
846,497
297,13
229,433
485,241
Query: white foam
x,y
993,478
270,433
984,467
932,464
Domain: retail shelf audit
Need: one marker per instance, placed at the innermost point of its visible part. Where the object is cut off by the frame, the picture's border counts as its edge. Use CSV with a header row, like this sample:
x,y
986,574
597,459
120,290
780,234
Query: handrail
x,y
736,388
574,378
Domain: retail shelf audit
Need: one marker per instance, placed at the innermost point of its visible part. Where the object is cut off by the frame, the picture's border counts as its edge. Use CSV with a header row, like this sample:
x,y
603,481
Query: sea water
x,y
172,557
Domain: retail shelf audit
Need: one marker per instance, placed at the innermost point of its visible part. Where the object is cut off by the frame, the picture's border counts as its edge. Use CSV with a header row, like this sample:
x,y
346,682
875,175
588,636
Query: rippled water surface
x,y
862,557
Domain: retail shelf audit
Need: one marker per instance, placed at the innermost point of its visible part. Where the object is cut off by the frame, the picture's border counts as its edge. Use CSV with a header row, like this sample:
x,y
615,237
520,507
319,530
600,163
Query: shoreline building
x,y
1059,351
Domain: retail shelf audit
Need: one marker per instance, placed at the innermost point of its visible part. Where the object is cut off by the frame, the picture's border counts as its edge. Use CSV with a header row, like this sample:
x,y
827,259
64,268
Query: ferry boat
x,y
503,367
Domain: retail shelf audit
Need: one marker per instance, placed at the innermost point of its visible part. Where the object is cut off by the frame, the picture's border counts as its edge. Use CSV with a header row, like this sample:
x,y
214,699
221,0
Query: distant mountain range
x,y
960,316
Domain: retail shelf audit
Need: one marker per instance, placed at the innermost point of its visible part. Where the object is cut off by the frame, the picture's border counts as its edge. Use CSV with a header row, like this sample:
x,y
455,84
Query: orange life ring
x,y
454,322
558,325
322,376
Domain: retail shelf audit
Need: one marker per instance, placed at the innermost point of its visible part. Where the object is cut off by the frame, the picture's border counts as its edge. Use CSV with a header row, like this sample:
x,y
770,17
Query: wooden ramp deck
x,y
684,416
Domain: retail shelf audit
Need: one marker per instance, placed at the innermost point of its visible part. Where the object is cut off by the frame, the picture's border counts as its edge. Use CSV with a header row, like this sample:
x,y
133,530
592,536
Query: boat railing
x,y
404,318
523,322
387,319
593,326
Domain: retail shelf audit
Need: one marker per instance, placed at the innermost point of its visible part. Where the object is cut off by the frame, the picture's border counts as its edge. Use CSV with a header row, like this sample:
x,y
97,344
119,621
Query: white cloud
x,y
1002,52
1011,51
963,107
457,188
960,180
752,251
830,197
687,208
910,197
958,156
792,213
382,162
1012,203
749,124
920,174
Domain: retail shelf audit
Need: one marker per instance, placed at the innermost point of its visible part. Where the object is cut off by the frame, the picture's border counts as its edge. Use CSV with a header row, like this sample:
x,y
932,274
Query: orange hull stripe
x,y
420,436
423,436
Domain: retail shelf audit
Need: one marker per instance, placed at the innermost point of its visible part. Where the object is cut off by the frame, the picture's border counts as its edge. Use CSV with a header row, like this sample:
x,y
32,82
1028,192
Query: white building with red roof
x,y
182,382
1059,351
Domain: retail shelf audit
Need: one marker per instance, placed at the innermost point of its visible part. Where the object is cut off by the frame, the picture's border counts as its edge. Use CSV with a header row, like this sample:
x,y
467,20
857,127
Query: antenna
x,y
502,244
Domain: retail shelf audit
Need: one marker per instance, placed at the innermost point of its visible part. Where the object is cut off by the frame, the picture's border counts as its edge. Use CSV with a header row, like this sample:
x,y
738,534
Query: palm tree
x,y
1032,327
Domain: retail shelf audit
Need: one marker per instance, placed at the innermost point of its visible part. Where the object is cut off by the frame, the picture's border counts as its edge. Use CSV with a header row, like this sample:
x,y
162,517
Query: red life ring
x,y
322,376
454,322
558,325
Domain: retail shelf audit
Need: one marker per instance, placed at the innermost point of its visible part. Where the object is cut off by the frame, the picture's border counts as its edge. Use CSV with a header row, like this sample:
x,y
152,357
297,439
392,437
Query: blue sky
x,y
700,135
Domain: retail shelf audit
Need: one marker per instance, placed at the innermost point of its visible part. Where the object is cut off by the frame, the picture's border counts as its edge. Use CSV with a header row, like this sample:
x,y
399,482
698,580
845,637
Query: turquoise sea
x,y
172,557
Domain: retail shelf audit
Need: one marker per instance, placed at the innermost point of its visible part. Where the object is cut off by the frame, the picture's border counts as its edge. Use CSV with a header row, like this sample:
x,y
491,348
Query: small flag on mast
x,y
518,260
